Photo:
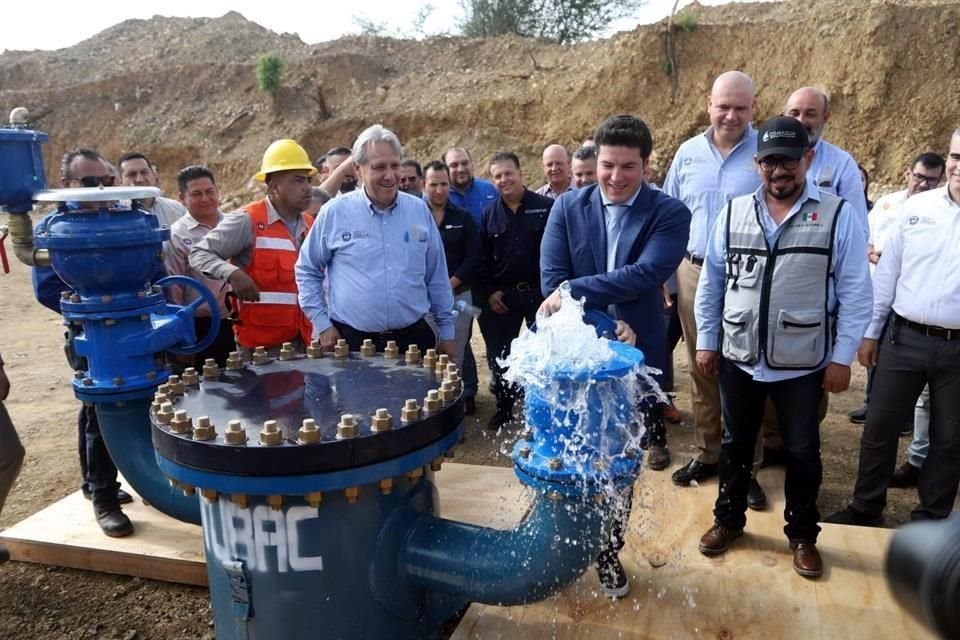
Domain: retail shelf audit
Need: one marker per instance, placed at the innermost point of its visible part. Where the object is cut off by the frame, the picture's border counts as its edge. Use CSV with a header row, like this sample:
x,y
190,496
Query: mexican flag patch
x,y
810,217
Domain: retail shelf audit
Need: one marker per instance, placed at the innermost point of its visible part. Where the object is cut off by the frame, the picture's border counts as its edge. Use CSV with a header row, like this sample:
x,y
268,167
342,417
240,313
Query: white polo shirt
x,y
918,275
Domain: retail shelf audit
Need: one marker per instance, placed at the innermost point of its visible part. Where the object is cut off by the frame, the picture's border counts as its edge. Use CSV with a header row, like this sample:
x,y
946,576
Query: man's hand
x,y
625,333
707,362
448,347
868,351
836,378
328,338
4,384
496,303
551,305
244,286
667,298
872,254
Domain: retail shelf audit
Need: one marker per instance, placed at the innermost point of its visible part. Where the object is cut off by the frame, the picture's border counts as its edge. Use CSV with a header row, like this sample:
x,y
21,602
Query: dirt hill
x,y
183,90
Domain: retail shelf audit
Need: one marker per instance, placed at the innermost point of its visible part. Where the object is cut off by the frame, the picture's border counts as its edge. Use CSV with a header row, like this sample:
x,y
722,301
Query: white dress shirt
x,y
918,275
883,218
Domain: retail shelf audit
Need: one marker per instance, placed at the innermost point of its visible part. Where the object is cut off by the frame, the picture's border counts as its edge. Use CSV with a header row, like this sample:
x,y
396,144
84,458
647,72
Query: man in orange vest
x,y
256,247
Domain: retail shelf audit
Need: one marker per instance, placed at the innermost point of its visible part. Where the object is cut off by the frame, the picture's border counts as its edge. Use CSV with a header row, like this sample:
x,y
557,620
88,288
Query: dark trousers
x,y
11,454
619,509
96,465
671,318
655,434
418,333
499,330
908,360
221,347
796,401
470,379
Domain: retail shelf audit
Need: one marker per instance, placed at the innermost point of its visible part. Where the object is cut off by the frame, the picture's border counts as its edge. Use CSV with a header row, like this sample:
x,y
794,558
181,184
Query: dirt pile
x,y
183,90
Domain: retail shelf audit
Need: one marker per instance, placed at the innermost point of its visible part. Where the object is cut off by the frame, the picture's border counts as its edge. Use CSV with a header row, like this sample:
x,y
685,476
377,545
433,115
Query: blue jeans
x,y
920,445
797,402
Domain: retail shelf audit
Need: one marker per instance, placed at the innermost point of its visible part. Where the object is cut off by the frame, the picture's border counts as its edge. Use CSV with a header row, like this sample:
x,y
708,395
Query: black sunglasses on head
x,y
96,181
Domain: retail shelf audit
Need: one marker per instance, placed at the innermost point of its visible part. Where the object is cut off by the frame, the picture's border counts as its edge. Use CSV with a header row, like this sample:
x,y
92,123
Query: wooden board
x,y
65,533
750,592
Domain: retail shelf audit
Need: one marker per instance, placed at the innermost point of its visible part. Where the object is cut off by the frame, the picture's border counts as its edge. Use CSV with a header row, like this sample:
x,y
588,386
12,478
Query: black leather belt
x,y
694,259
931,331
522,286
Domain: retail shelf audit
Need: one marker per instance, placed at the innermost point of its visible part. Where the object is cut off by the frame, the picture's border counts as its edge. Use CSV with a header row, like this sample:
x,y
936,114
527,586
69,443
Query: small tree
x,y
269,72
563,21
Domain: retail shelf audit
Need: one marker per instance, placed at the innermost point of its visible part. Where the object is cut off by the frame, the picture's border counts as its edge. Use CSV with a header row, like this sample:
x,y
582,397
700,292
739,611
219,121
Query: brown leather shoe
x,y
806,559
716,541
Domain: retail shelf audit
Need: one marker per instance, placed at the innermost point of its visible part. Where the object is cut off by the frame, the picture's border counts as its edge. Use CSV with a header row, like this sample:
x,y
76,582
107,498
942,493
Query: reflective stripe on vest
x,y
776,299
276,317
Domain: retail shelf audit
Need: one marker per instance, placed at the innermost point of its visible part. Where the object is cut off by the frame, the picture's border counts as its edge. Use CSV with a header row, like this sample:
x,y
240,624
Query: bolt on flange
x,y
448,392
410,412
352,493
430,359
432,403
165,415
436,464
210,495
368,349
275,502
391,350
287,352
181,422
314,350
412,356
211,371
176,385
260,355
442,363
386,486
204,429
341,349
190,377
381,421
313,498
347,427
524,452
555,464
414,474
271,435
308,432
240,499
235,433
234,362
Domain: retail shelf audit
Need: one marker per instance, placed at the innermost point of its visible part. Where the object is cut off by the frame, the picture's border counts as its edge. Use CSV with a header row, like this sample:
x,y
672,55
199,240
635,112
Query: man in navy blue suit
x,y
616,243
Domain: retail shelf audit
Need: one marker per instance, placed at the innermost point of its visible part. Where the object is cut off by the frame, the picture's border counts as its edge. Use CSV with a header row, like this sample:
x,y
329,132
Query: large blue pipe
x,y
550,549
125,427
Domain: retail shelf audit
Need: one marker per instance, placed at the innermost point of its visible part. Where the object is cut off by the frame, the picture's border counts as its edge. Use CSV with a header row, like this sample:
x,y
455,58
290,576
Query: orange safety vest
x,y
276,318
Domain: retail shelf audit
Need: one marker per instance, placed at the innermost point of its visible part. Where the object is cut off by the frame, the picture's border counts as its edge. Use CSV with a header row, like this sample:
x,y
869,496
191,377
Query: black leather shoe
x,y
501,418
114,523
905,476
756,497
858,416
469,406
854,517
122,496
694,470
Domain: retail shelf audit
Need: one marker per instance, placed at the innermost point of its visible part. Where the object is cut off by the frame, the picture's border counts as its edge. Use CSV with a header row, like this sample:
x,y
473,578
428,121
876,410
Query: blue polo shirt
x,y
477,196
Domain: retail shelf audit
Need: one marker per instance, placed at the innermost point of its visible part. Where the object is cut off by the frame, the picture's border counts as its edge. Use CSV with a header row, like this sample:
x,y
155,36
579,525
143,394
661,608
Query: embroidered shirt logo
x,y
810,217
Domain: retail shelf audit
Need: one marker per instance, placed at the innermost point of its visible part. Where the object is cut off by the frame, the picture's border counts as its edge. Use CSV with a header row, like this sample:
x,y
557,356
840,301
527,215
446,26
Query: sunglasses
x,y
96,181
768,164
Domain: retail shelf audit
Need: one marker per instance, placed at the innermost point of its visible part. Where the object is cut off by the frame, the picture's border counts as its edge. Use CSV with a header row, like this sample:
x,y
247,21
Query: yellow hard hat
x,y
284,155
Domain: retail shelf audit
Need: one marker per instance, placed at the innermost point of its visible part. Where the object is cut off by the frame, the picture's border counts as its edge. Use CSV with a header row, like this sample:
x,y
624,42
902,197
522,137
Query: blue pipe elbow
x,y
126,432
550,549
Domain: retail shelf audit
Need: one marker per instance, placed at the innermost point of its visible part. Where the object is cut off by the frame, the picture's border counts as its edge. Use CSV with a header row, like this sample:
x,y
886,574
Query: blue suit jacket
x,y
653,241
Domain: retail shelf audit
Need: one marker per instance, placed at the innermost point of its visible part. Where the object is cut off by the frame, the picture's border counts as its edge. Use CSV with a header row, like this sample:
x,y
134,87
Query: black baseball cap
x,y
782,136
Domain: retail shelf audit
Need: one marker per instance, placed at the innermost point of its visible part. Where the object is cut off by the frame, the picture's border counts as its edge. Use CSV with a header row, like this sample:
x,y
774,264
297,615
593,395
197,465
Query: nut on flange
x,y
341,349
287,352
412,356
308,433
555,464
190,377
410,412
210,495
240,499
432,403
391,350
352,493
210,370
260,356
204,429
314,498
176,385
430,359
436,464
386,486
347,427
235,433
381,421
165,415
448,392
275,502
271,435
368,349
233,361
442,363
524,452
314,350
415,474
181,422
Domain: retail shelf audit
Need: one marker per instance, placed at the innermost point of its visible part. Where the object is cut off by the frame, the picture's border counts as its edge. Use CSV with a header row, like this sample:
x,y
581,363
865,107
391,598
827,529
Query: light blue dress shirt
x,y
835,171
705,181
850,287
384,269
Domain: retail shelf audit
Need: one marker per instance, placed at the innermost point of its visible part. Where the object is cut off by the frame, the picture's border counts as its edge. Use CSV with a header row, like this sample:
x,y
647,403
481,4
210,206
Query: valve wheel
x,y
186,312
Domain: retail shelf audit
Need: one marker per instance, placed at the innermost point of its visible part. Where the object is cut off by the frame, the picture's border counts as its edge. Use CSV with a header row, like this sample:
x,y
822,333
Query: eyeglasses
x,y
96,181
919,178
768,164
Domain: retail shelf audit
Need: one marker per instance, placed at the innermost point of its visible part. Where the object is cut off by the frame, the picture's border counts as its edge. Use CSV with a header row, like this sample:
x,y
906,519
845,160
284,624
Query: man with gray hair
x,y
584,167
382,258
556,169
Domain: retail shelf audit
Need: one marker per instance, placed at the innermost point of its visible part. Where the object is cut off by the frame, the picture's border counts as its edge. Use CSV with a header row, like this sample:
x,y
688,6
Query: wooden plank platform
x,y
750,592
66,535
